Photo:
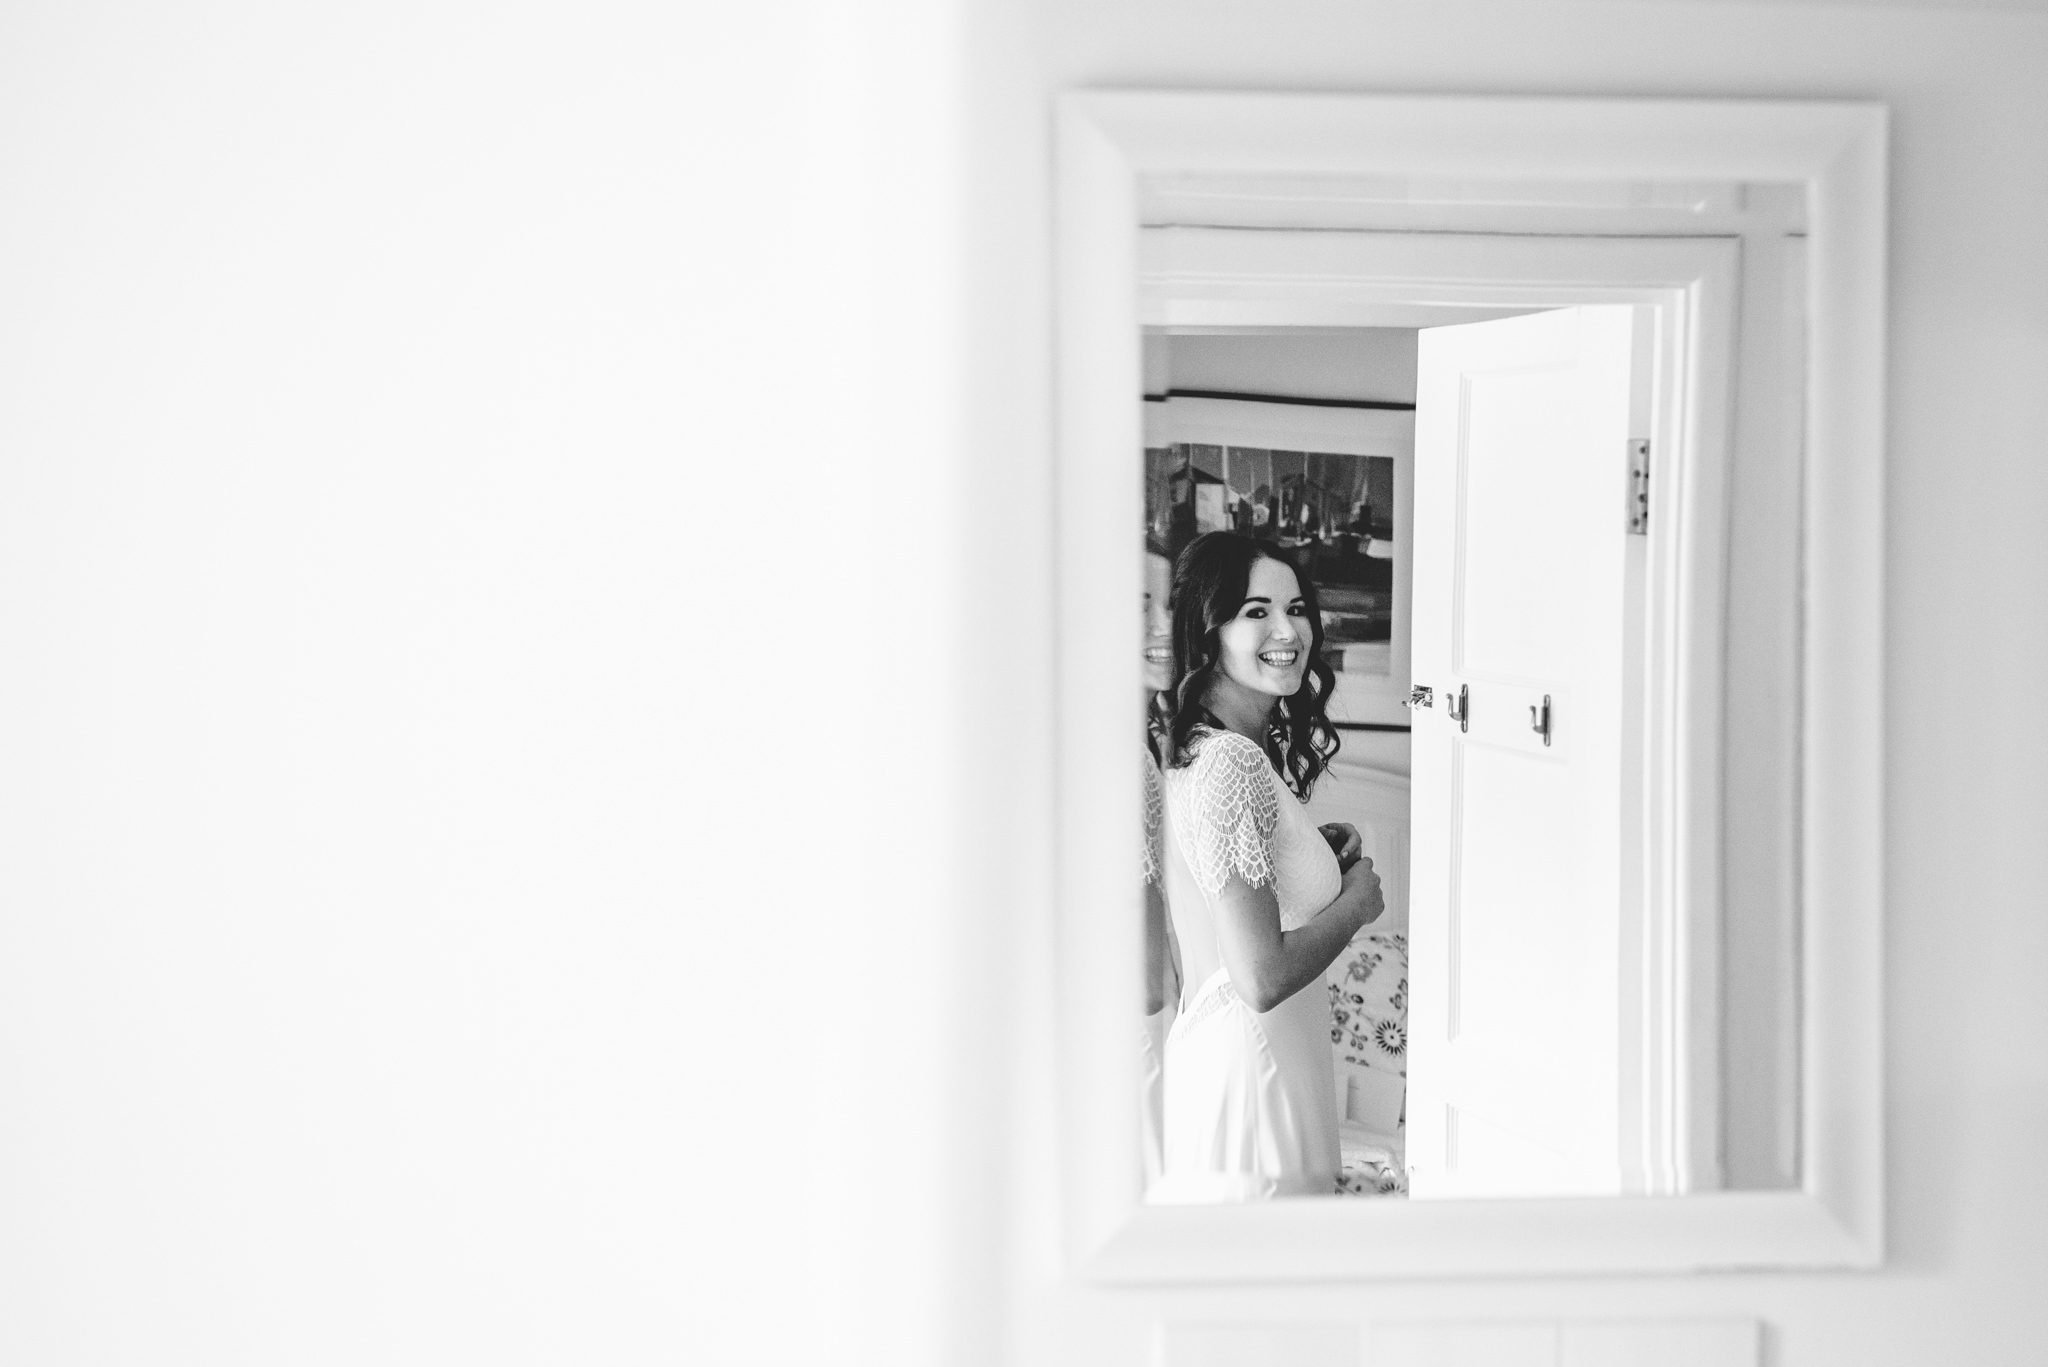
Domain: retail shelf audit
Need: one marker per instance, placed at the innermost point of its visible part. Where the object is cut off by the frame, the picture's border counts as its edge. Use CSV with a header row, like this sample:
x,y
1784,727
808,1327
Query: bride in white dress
x,y
1260,903
1162,985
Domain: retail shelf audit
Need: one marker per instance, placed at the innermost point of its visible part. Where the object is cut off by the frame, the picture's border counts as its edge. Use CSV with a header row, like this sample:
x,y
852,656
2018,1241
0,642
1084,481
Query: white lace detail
x,y
1155,814
1219,995
1234,810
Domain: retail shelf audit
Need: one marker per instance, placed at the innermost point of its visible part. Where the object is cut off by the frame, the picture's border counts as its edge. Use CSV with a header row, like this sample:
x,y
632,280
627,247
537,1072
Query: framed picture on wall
x,y
1328,484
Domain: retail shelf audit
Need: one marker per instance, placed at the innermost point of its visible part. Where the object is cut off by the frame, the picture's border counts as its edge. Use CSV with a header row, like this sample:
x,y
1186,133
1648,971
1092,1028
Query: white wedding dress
x,y
1250,1098
1152,1041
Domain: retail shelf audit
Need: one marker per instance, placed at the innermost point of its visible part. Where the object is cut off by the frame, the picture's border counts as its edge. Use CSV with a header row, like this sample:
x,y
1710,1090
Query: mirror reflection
x,y
1408,931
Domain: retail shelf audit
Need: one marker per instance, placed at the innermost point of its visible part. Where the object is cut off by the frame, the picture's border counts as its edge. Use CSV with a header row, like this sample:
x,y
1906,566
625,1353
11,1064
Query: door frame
x,y
1106,142
1688,288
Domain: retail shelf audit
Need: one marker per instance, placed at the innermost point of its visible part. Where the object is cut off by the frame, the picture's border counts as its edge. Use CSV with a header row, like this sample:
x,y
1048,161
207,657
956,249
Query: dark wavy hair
x,y
1210,581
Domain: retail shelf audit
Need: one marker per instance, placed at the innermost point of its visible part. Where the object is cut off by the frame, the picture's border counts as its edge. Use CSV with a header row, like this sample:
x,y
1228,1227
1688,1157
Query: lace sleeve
x,y
1155,812
1232,812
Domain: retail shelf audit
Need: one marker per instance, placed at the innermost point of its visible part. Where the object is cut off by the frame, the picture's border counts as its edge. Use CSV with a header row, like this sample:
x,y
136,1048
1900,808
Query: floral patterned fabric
x,y
1369,1004
1369,1034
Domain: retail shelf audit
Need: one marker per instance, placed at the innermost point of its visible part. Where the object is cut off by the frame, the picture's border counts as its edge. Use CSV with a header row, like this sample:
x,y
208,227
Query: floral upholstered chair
x,y
1369,1031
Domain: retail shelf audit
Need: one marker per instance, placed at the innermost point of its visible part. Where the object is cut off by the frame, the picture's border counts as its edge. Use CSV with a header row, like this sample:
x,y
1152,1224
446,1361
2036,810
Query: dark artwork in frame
x,y
1330,514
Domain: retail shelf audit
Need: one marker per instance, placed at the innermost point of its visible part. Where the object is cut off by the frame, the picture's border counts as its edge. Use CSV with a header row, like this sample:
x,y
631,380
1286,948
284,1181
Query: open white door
x,y
1518,1070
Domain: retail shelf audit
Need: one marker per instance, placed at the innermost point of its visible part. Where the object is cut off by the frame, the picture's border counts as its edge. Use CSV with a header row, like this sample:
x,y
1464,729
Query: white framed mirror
x,y
1706,820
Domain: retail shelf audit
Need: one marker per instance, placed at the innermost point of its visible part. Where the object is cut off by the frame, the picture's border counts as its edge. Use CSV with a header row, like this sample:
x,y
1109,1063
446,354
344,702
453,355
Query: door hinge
x,y
1639,486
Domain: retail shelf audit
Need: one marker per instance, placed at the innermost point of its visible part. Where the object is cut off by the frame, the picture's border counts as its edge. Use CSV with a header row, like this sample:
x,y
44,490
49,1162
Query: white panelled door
x,y
1521,587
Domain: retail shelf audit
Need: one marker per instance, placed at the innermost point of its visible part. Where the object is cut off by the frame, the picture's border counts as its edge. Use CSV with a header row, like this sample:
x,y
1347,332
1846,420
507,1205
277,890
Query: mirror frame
x,y
1106,142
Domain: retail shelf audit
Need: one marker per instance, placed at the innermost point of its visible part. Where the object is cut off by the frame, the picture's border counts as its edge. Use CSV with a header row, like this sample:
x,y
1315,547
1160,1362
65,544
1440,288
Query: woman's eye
x,y
1254,613
1296,610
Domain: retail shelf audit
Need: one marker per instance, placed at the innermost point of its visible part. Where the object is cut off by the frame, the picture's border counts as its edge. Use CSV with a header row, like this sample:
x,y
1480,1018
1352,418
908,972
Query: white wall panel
x,y
1675,1343
1258,1345
1534,1343
1464,1345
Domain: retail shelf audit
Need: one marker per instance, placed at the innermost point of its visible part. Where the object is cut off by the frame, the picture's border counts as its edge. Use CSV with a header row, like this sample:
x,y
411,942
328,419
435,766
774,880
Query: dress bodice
x,y
1230,813
1249,1096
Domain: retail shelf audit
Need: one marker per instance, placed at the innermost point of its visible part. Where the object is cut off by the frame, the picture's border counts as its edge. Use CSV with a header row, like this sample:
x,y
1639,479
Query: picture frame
x,y
1275,459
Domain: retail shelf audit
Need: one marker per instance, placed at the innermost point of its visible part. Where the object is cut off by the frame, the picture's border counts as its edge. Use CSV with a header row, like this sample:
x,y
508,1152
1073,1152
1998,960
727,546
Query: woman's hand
x,y
1344,842
1268,965
1362,888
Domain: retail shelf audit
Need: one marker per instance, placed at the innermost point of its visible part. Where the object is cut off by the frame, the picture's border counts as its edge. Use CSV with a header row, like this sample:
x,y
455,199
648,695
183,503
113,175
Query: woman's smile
x,y
1158,625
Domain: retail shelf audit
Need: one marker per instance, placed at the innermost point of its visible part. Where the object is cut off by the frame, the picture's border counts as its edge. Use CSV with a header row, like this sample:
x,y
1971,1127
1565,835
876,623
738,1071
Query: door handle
x,y
1539,719
1419,696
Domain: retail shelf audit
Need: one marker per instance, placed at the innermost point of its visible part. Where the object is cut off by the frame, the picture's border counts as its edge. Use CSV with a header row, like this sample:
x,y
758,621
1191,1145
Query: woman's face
x,y
1158,626
1265,647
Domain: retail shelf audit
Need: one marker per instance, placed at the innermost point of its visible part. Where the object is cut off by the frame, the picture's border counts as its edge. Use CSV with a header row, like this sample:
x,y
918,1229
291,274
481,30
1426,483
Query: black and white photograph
x,y
1333,512
1023,683
1413,615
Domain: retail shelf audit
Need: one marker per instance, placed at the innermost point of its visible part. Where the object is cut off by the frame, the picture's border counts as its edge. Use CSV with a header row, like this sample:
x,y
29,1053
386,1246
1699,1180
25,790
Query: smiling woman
x,y
1261,903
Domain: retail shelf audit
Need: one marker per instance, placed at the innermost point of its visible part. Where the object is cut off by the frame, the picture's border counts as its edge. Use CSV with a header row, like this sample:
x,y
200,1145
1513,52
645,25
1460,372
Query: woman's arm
x,y
1268,965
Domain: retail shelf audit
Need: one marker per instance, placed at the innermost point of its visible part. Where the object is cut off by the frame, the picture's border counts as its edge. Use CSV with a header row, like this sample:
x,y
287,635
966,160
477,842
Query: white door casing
x,y
1518,1024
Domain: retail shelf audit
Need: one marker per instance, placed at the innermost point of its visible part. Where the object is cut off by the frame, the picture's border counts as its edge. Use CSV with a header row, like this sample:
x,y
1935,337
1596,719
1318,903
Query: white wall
x,y
1349,363
403,954
438,445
